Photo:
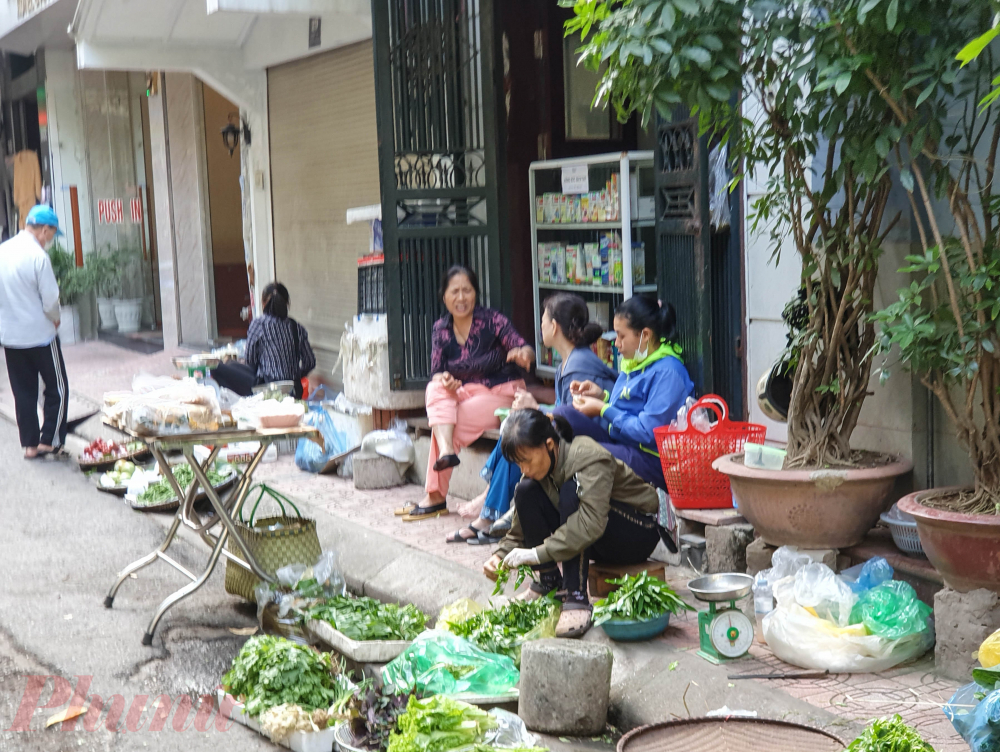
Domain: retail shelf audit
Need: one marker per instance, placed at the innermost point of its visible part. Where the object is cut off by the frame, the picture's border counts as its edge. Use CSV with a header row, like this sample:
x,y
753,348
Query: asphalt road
x,y
61,545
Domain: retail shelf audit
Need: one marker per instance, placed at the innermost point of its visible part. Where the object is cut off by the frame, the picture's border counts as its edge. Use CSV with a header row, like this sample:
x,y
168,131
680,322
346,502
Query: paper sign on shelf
x,y
575,179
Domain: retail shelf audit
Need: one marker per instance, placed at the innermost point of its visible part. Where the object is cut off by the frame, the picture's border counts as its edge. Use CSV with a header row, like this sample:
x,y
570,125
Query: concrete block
x,y
565,687
375,471
759,556
726,547
826,556
962,621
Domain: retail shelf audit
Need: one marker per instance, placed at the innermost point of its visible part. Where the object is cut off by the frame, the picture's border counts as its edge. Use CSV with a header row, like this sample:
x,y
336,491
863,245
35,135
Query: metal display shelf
x,y
625,163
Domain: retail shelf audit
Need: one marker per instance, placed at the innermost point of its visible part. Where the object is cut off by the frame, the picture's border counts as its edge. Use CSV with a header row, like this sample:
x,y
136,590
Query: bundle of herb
x,y
502,630
368,619
889,735
503,577
271,671
638,598
161,491
372,716
438,724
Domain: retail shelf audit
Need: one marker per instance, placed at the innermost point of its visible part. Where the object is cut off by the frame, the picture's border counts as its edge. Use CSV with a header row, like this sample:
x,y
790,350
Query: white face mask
x,y
640,353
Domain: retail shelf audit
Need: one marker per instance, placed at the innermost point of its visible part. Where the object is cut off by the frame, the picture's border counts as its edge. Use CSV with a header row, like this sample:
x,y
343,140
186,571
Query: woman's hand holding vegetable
x,y
523,356
491,567
586,389
520,556
589,406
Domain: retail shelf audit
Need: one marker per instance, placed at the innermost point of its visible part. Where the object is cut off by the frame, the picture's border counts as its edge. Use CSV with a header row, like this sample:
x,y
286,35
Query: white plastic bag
x,y
817,587
395,444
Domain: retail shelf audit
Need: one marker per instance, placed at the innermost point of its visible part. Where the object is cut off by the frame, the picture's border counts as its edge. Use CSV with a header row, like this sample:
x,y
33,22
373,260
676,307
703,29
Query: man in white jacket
x,y
29,318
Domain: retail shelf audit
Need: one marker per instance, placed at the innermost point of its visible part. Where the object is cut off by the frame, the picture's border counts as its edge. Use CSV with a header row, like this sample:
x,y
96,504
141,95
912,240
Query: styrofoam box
x,y
360,651
298,741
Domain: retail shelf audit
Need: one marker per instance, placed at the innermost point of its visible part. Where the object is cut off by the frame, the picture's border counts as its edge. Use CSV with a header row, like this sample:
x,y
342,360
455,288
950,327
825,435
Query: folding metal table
x,y
223,513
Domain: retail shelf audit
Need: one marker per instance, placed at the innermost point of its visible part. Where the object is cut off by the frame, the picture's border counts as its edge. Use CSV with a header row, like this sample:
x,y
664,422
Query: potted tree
x,y
945,326
826,140
108,282
74,283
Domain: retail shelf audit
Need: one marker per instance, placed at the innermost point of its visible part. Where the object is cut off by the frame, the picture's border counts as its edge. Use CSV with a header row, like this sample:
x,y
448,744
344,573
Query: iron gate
x,y
439,151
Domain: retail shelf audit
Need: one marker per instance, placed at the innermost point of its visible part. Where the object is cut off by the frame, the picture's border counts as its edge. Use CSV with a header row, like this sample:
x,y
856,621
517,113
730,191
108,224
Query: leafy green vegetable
x,y
889,735
159,492
638,598
503,577
368,619
986,677
502,630
438,724
373,716
272,671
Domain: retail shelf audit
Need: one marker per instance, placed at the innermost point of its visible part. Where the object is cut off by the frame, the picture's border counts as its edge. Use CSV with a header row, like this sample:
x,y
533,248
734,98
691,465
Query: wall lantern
x,y
231,133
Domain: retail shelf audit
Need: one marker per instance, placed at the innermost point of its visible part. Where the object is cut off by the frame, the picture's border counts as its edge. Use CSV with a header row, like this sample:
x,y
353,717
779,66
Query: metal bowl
x,y
285,387
721,587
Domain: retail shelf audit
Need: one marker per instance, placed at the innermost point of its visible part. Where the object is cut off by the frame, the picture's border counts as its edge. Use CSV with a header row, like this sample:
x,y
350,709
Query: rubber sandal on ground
x,y
483,539
57,454
457,536
446,461
399,512
574,621
426,513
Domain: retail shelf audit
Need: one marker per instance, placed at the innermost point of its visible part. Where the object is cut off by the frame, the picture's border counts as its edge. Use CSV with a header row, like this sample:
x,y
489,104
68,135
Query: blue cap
x,y
43,215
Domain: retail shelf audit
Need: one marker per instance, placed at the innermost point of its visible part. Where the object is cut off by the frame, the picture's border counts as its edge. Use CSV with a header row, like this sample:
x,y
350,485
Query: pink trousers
x,y
470,409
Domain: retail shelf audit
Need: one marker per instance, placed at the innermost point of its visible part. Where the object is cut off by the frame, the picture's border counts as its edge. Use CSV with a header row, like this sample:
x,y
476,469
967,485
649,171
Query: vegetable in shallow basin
x,y
638,598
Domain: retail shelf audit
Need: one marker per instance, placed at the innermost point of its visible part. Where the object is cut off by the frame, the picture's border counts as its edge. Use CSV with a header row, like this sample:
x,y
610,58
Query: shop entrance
x,y
231,286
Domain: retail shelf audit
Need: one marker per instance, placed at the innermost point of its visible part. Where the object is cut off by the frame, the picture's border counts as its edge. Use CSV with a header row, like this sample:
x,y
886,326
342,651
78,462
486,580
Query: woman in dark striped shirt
x,y
277,348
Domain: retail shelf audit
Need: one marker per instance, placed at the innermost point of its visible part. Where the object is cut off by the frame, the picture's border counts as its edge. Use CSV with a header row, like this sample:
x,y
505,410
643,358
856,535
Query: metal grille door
x,y
682,240
439,148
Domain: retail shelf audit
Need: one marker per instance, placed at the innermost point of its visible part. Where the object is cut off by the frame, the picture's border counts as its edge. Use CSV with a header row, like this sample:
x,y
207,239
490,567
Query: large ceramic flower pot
x,y
964,548
128,314
812,508
106,307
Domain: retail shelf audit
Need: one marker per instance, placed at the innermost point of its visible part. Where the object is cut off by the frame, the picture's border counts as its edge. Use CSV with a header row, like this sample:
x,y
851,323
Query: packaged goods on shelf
x,y
581,264
595,206
638,263
572,252
605,247
540,209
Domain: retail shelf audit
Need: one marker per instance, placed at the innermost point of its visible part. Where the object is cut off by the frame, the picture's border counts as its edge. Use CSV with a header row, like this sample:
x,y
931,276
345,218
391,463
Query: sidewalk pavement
x,y
663,679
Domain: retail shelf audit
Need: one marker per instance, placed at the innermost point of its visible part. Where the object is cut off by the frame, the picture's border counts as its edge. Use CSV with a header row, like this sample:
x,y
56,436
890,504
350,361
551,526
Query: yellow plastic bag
x,y
457,612
989,651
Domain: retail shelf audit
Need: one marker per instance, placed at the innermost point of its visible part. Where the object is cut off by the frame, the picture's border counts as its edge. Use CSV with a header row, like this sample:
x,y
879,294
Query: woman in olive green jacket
x,y
576,502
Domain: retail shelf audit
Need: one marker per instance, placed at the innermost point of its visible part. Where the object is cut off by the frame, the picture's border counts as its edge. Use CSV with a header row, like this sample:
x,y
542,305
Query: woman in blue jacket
x,y
652,386
566,328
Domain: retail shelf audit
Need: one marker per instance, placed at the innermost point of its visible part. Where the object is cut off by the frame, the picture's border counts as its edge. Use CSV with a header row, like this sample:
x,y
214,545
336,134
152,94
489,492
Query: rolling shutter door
x,y
324,160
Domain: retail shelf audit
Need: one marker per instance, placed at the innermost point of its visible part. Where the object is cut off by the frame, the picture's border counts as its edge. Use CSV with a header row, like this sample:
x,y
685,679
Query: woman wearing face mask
x,y
566,328
652,386
577,502
475,356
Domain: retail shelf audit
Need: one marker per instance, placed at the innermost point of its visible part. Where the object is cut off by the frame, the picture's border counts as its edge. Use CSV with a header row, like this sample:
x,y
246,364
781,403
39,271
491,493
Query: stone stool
x,y
565,687
373,471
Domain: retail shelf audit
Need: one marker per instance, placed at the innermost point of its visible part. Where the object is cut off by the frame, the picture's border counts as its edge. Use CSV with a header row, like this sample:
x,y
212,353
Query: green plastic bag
x,y
438,662
891,610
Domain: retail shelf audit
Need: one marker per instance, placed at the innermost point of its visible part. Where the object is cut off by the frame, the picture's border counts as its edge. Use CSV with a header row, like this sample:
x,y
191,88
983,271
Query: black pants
x,y
24,366
629,537
238,377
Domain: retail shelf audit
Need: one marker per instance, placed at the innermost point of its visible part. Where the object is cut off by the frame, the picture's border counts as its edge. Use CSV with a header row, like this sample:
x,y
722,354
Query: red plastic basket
x,y
687,456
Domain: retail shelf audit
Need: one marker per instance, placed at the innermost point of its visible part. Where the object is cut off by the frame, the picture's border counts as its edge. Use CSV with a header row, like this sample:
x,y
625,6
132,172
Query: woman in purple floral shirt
x,y
476,355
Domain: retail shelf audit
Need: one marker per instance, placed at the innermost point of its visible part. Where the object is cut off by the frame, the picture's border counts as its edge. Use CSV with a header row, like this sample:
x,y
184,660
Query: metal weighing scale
x,y
725,633
196,365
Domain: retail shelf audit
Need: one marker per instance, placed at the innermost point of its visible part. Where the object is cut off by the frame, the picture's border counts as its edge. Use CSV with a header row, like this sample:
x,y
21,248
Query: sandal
x,y
399,512
446,461
574,620
57,454
457,536
483,539
426,513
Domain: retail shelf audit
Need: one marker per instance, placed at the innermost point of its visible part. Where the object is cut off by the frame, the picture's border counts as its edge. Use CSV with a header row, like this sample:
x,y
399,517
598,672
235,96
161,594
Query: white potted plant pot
x,y
129,315
69,325
106,307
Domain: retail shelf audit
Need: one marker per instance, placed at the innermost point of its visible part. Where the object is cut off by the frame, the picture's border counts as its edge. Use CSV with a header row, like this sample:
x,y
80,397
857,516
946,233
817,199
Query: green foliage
x,y
889,735
368,619
503,577
638,598
502,630
272,671
74,282
438,724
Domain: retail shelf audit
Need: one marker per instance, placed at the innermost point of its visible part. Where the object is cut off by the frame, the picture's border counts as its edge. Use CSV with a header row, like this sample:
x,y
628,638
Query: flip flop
x,y
482,538
457,536
446,461
57,454
426,513
404,510
574,620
